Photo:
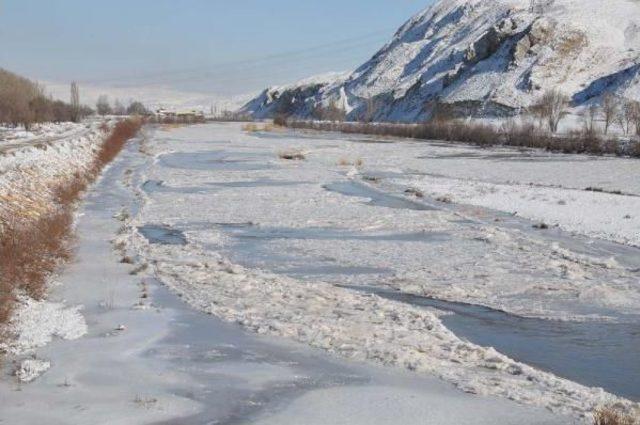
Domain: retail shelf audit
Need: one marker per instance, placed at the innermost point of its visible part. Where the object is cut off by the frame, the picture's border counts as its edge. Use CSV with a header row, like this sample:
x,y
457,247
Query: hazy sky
x,y
207,46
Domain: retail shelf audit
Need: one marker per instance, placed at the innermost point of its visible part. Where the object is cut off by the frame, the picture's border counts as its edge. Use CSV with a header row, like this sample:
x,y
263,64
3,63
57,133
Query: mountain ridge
x,y
482,58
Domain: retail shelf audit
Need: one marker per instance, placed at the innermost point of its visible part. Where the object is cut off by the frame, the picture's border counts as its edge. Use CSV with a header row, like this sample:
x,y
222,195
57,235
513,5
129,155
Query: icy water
x,y
595,353
162,235
169,364
219,160
374,197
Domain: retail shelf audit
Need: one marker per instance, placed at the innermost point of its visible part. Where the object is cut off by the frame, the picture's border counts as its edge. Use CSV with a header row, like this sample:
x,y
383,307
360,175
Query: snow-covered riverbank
x,y
29,173
33,167
212,188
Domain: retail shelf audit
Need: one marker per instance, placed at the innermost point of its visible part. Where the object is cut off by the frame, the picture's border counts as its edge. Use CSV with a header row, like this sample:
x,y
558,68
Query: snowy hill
x,y
300,97
484,57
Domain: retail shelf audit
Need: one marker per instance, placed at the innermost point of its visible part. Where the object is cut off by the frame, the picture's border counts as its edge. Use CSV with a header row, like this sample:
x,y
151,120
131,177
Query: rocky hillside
x,y
484,58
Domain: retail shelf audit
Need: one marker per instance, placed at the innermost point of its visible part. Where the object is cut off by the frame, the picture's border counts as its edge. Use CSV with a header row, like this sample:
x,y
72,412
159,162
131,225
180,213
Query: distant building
x,y
190,115
163,113
187,116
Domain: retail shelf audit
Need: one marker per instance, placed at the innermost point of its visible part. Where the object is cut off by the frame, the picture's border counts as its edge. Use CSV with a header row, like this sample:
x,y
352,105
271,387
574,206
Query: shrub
x,y
510,134
251,127
610,416
550,108
280,120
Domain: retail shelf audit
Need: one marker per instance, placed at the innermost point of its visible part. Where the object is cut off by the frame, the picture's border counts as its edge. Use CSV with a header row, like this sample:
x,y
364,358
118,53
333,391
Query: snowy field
x,y
293,248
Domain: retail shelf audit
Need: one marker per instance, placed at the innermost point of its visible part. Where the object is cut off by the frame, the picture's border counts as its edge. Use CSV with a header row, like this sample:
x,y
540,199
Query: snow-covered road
x,y
12,139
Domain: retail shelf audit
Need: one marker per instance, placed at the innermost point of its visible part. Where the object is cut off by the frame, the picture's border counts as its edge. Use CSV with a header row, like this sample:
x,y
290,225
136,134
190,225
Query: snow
x,y
491,57
269,101
172,364
515,274
600,215
31,369
38,131
36,323
355,406
31,169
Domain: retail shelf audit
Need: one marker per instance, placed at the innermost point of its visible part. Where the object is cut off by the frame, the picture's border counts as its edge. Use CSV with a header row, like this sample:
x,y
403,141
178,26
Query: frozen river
x,y
343,263
355,216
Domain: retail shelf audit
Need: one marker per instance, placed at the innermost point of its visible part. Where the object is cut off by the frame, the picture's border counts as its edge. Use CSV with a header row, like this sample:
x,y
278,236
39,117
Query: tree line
x,y
24,102
104,107
612,111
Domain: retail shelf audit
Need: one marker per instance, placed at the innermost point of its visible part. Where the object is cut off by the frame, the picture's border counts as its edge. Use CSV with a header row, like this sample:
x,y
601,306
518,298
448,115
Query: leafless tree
x,y
332,112
371,109
625,116
551,108
118,108
610,108
75,102
25,102
136,108
634,115
102,106
590,116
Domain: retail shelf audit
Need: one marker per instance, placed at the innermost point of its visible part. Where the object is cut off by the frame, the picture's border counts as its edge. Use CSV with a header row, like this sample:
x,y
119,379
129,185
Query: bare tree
x,y
589,116
634,115
610,107
625,116
551,107
332,112
118,108
371,109
75,102
102,106
136,108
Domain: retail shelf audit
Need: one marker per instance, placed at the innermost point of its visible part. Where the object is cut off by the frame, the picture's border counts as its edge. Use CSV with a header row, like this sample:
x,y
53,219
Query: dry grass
x,y
170,127
31,250
256,127
610,416
251,127
344,162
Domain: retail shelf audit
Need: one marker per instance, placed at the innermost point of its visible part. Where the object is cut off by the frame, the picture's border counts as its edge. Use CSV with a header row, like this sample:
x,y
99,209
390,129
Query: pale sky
x,y
213,47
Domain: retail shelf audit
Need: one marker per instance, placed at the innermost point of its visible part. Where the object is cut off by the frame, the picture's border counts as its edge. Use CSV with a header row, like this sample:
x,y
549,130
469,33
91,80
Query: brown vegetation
x,y
610,416
511,134
31,250
23,102
550,108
